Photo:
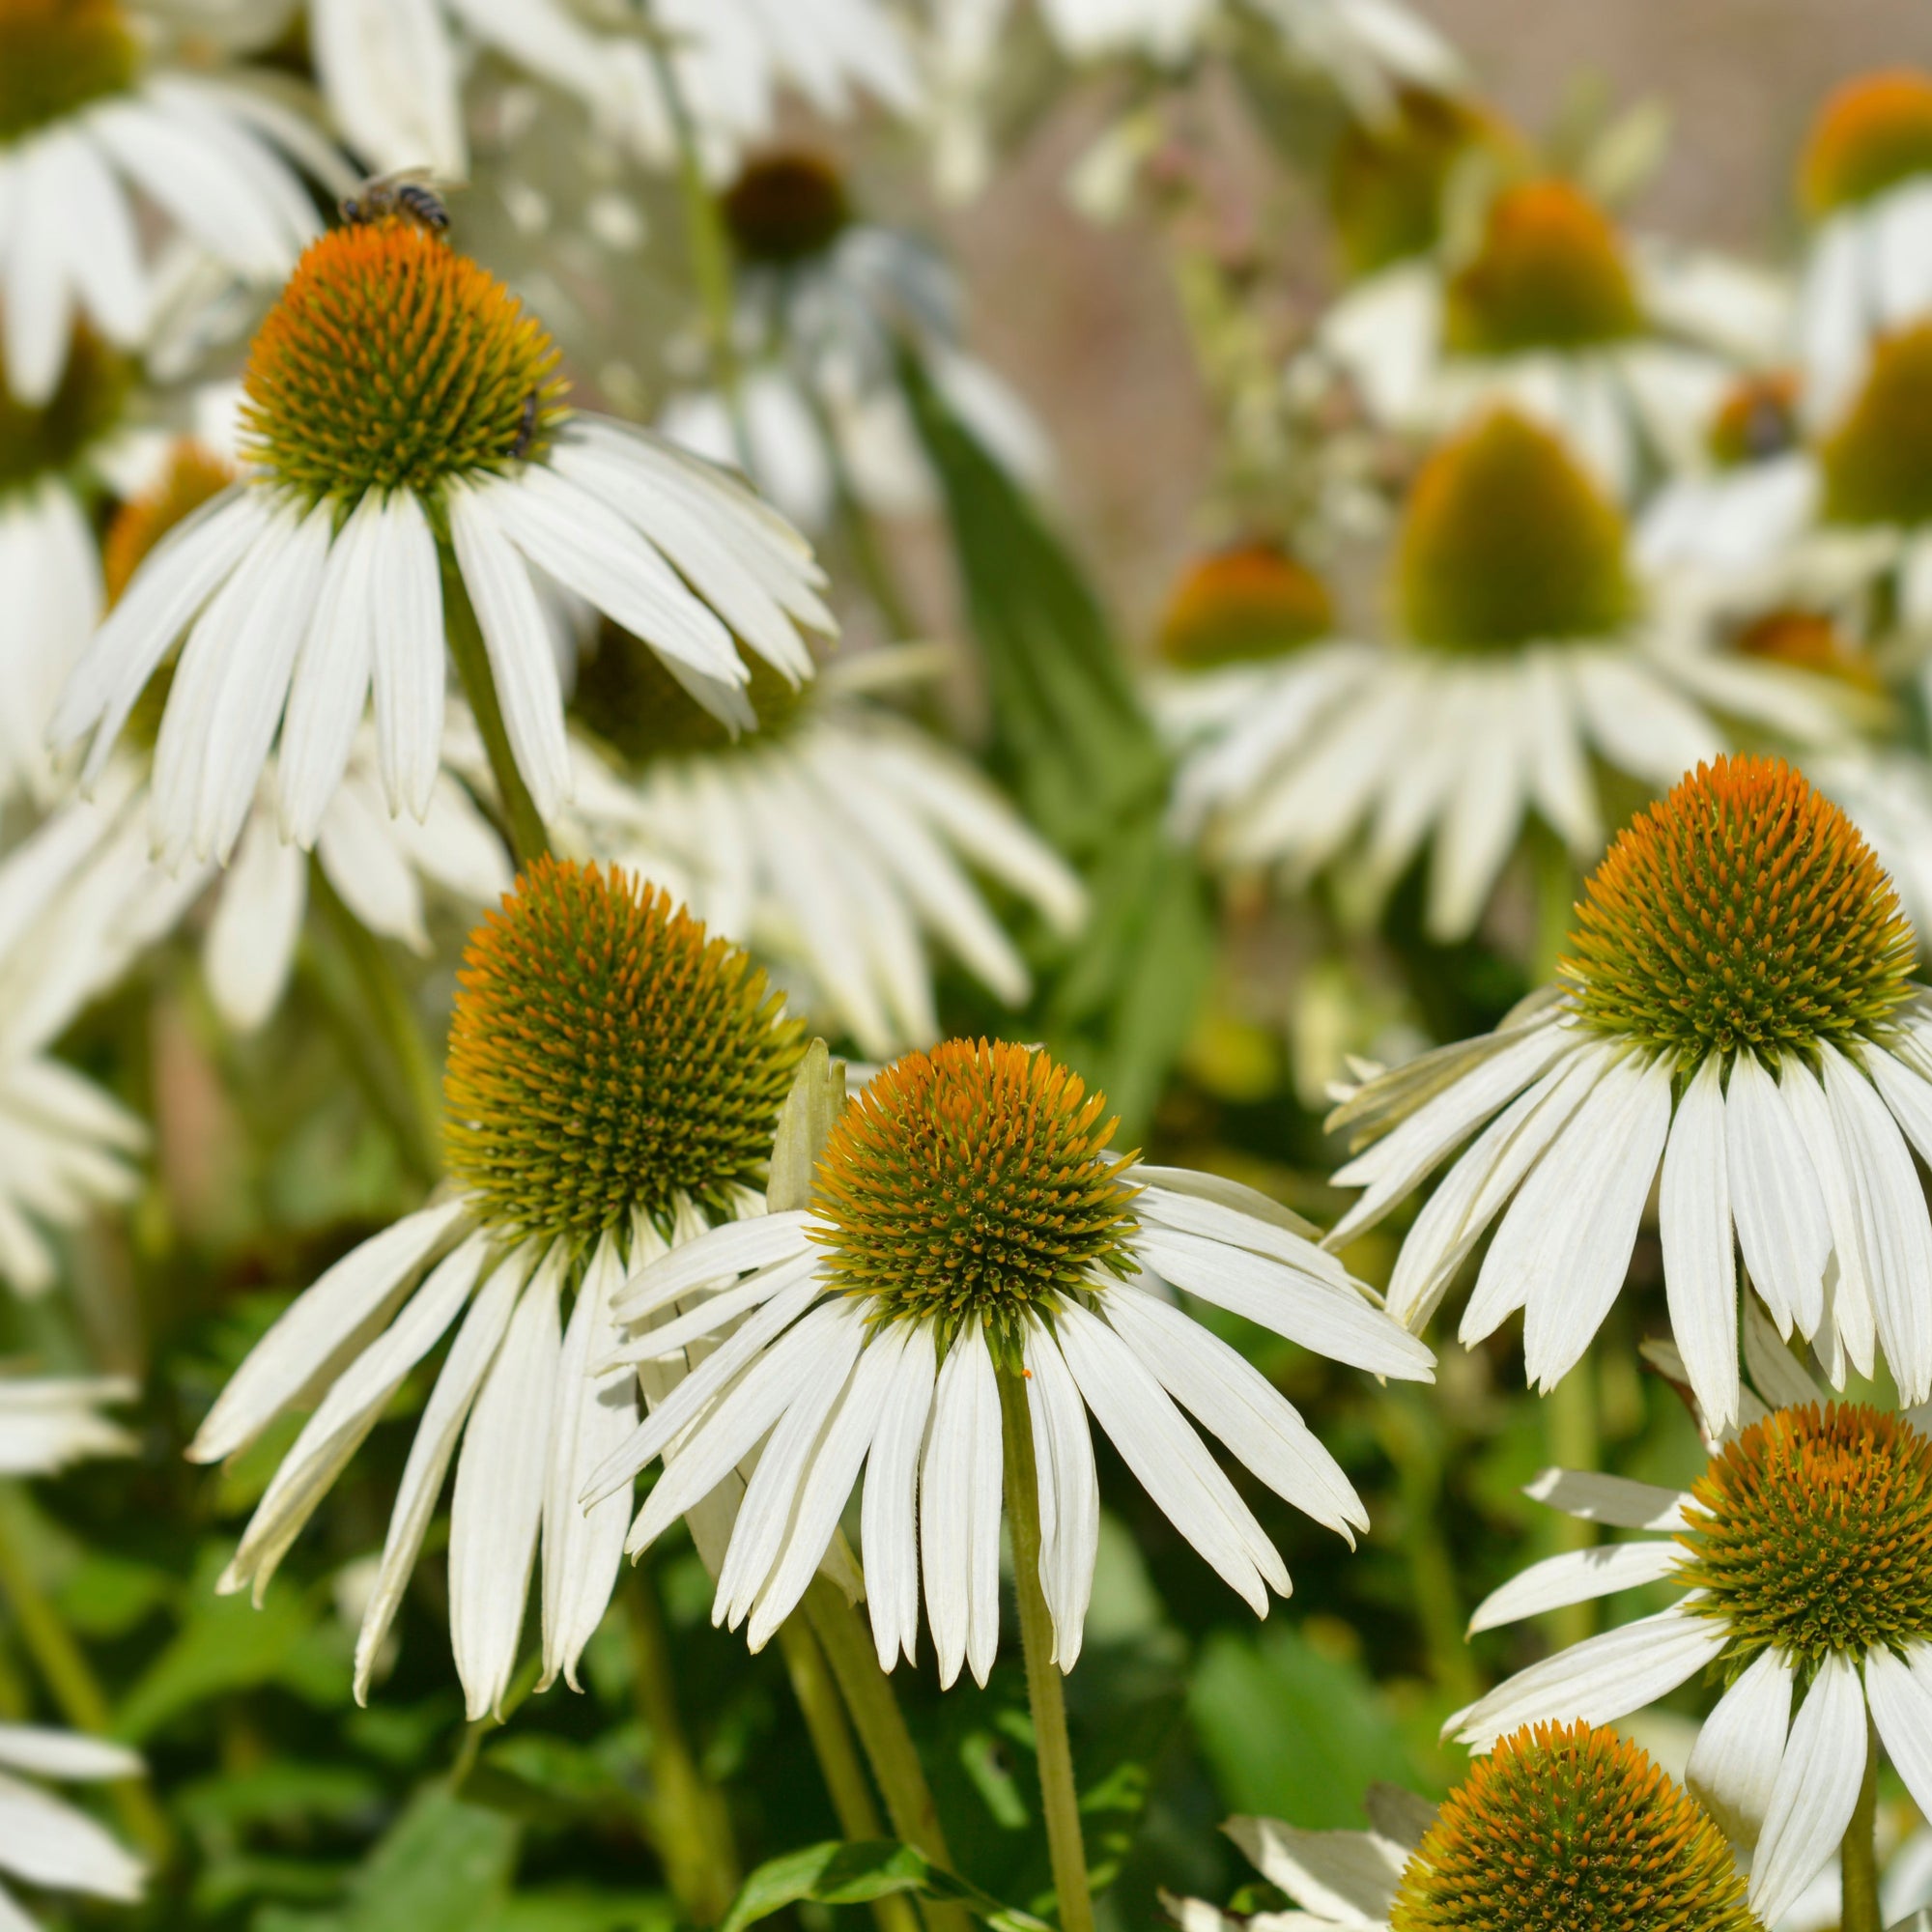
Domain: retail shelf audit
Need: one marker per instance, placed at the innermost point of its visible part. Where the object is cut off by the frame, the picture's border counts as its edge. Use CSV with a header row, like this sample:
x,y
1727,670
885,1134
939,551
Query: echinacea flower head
x,y
1565,1829
1561,1828
972,1238
406,443
1866,181
613,1084
1874,461
84,121
843,841
1522,653
1737,1011
1249,600
1803,1553
785,206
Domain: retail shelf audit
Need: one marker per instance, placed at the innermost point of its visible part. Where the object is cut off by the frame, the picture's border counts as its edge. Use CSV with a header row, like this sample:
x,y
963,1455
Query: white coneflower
x,y
405,442
85,123
1803,1555
1737,1010
613,1083
968,1228
838,840
827,302
1560,1829
1866,181
1521,653
1554,312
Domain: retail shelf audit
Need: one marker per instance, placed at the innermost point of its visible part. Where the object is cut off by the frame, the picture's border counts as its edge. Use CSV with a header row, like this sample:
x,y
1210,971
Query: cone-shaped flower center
x,y
1743,910
606,1056
786,207
1550,273
1809,640
1387,178
1877,462
973,1182
627,697
1813,1534
56,56
1870,134
1565,1828
42,442
1757,420
393,362
193,476
1253,601
1508,542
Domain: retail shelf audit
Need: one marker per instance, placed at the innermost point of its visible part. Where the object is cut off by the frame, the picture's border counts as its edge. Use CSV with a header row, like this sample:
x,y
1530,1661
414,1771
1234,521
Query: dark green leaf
x,y
841,1873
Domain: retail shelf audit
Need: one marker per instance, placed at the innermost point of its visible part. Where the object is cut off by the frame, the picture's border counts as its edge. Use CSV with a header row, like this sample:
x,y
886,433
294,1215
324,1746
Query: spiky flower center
x,y
1508,542
1809,640
1565,1828
1387,177
36,442
1743,910
1813,1534
1550,274
973,1183
628,698
1870,134
1250,601
785,207
1757,420
56,56
192,477
606,1056
1877,462
393,362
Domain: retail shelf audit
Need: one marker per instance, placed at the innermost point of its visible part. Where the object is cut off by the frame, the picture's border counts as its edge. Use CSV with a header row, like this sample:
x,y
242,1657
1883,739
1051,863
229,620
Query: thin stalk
x,y
528,837
1569,1431
389,1006
684,1813
479,1728
64,1668
868,1691
838,1756
1058,1797
1858,1907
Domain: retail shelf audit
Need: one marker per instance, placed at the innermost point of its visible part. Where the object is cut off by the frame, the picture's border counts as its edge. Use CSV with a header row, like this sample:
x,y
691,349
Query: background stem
x,y
1058,1797
1859,1911
1569,1429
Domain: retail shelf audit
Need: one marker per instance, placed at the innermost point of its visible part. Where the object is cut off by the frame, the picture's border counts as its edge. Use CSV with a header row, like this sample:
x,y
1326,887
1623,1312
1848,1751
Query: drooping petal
x,y
1816,1789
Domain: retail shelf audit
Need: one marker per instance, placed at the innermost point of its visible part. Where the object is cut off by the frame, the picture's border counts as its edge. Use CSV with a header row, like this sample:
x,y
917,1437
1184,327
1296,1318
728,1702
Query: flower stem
x,y
684,1813
1858,1908
64,1668
881,1725
1058,1797
838,1756
419,1116
528,837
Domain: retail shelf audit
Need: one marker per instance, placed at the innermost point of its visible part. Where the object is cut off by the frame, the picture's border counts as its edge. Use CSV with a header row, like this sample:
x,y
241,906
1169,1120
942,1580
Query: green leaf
x,y
1291,1733
846,1872
572,1908
443,1867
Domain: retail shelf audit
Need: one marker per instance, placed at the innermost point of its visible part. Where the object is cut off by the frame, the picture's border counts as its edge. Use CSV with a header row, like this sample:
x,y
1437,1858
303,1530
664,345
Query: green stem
x,y
479,1728
1556,886
881,1725
528,837
389,1006
1058,1797
685,1812
325,979
838,1758
1570,1432
1858,1908
64,1668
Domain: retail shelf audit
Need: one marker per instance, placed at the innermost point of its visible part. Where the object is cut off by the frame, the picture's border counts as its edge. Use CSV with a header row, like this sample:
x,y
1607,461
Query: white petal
x,y
960,1490
497,1507
1599,1680
1576,1576
250,945
1694,1216
1816,1791
888,1523
1899,1692
1782,1227
407,660
1062,1449
1344,1878
65,1754
733,1247
1734,1762
1614,1500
